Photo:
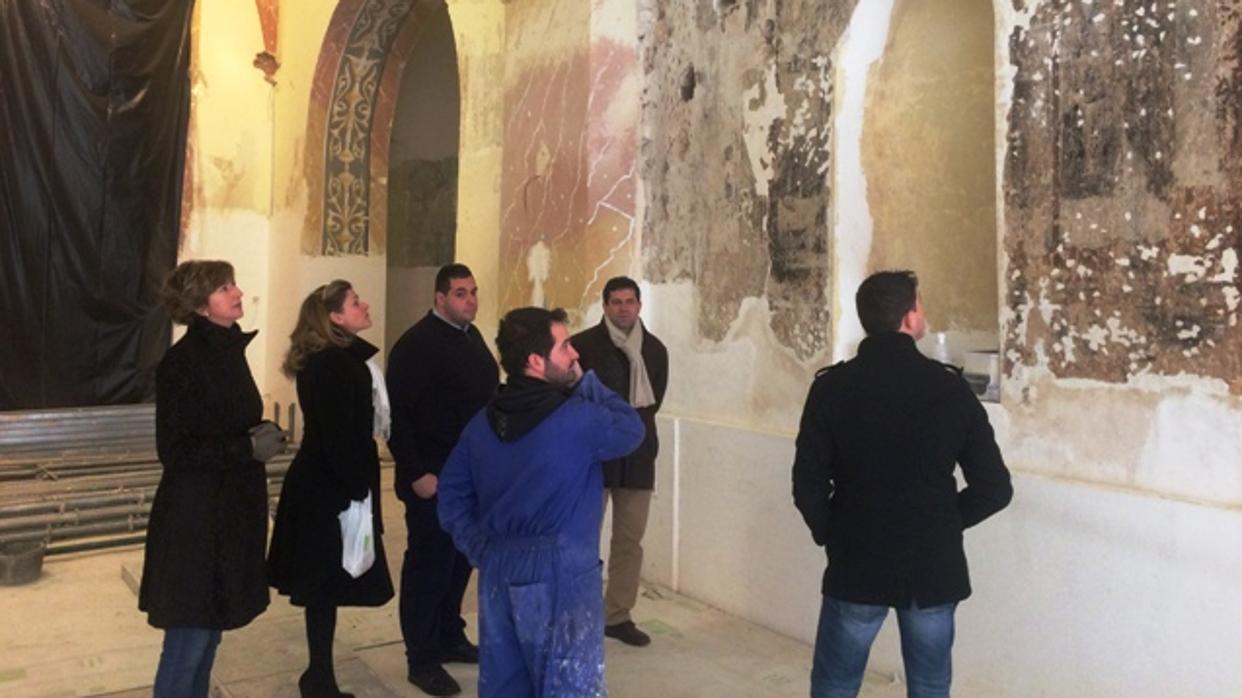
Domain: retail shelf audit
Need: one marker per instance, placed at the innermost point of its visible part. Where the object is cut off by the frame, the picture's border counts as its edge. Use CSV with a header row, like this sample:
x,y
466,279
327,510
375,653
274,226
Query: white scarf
x,y
379,400
641,394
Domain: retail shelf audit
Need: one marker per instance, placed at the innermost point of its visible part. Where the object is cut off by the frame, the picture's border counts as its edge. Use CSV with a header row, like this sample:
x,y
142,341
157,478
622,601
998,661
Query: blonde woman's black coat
x,y
337,462
208,524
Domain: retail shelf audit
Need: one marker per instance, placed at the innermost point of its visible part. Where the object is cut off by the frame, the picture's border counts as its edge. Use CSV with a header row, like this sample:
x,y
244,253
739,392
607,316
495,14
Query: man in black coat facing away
x,y
440,374
873,478
633,363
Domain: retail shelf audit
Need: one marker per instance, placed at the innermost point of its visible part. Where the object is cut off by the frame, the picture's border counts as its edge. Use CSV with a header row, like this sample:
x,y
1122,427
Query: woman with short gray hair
x,y
204,568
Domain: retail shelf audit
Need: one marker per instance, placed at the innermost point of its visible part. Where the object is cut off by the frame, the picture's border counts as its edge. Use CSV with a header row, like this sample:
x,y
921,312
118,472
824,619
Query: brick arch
x,y
349,124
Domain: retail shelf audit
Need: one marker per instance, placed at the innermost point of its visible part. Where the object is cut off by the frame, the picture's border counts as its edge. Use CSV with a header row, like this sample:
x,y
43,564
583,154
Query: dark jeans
x,y
843,642
433,581
185,663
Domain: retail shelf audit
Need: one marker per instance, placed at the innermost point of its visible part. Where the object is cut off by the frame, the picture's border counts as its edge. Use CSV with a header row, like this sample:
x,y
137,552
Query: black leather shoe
x,y
461,653
434,681
315,686
628,633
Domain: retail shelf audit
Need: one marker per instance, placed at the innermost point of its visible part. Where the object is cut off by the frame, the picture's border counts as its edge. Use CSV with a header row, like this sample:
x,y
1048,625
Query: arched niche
x,y
929,153
422,171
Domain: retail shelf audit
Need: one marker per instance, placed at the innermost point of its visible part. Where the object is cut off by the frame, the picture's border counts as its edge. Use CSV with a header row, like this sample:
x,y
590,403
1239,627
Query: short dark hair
x,y
884,298
448,272
187,287
526,331
618,283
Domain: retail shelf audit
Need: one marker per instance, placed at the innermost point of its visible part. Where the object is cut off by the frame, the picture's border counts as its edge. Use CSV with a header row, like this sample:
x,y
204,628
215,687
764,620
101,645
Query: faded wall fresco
x,y
567,185
352,102
422,212
736,153
1123,190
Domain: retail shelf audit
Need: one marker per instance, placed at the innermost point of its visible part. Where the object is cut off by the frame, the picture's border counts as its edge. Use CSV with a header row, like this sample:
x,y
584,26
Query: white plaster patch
x,y
1096,336
1228,267
538,268
1011,325
757,123
1194,446
1192,267
1121,335
1187,332
860,47
772,383
1046,306
1231,297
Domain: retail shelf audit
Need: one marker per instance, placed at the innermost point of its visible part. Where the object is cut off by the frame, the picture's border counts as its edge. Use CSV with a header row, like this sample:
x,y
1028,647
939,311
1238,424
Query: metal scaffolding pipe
x,y
59,505
71,518
129,525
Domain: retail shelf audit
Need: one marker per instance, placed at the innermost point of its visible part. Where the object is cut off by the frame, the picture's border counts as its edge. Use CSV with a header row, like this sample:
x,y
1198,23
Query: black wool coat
x,y
337,462
208,525
596,351
873,475
438,378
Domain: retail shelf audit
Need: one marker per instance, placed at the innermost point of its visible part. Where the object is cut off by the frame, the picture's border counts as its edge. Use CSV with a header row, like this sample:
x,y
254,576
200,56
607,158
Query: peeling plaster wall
x,y
1122,189
1122,215
737,144
736,149
1113,567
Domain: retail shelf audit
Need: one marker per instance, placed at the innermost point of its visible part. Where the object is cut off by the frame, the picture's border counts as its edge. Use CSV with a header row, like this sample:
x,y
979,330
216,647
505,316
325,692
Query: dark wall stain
x,y
687,83
1123,191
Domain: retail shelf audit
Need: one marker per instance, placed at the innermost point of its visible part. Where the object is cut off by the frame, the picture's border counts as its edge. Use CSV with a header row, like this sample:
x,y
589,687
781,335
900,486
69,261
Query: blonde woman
x,y
344,403
203,571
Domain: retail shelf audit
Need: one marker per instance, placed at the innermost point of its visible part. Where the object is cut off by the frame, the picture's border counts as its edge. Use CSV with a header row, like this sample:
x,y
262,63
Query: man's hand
x,y
590,389
425,486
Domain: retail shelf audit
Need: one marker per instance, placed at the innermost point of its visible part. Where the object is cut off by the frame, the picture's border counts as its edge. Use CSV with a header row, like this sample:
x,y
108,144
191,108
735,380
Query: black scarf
x,y
521,404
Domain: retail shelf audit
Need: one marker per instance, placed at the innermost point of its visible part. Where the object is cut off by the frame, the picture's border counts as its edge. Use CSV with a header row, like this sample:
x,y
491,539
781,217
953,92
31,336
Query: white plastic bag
x,y
357,538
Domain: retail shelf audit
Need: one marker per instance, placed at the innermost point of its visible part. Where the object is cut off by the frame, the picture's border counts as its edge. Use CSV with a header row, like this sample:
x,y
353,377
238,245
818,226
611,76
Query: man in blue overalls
x,y
522,495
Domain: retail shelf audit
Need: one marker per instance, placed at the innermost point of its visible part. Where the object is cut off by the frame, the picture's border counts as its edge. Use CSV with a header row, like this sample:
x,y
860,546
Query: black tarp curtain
x,y
94,102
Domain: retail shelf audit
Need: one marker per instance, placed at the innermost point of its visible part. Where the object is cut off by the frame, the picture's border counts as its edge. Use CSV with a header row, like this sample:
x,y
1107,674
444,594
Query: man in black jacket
x,y
440,374
873,477
633,363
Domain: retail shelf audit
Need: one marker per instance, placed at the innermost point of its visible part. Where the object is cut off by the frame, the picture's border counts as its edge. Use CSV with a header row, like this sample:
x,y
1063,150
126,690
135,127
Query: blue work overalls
x,y
541,620
527,514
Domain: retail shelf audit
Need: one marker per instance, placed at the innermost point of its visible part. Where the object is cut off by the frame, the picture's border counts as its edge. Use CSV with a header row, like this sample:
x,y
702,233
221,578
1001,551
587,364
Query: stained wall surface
x,y
736,154
1121,190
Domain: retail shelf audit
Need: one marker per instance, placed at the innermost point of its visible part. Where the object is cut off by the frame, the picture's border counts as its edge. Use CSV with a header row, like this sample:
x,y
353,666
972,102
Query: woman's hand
x,y
267,441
